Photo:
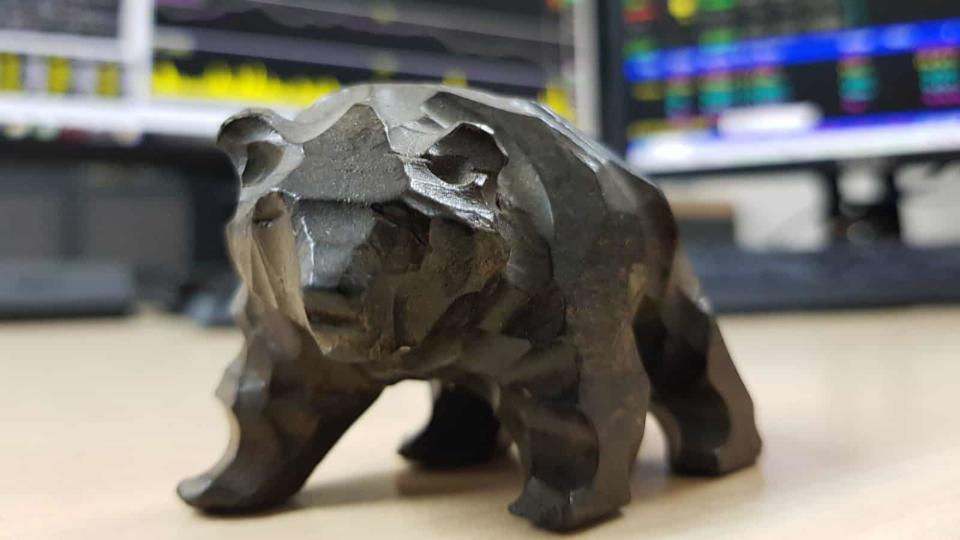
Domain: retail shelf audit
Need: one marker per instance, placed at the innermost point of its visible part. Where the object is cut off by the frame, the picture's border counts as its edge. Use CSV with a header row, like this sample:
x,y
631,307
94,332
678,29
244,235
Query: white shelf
x,y
187,119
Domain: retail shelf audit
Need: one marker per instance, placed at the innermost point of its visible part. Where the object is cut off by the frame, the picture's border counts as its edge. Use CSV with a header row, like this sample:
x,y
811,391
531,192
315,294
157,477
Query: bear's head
x,y
365,234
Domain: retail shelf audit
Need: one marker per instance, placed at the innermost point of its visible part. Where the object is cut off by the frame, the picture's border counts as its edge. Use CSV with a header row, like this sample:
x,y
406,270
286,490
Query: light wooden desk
x,y
859,413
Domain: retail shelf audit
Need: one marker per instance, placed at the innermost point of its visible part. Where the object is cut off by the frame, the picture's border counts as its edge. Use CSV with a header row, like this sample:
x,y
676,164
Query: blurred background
x,y
810,148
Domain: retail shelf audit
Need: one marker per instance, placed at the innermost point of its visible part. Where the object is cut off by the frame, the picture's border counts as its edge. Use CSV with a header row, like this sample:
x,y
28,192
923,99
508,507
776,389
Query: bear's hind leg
x,y
285,421
698,397
463,430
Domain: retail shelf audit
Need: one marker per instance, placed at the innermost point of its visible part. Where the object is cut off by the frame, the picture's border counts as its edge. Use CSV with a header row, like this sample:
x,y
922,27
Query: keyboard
x,y
840,277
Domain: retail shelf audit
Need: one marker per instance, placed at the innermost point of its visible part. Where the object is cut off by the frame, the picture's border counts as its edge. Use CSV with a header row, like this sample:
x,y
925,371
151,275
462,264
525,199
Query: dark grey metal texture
x,y
397,232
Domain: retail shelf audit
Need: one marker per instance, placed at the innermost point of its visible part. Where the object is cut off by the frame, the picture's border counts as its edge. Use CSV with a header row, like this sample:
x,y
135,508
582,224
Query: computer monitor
x,y
694,85
179,67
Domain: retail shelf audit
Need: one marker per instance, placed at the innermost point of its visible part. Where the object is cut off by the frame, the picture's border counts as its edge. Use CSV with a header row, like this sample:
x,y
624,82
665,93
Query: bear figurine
x,y
414,231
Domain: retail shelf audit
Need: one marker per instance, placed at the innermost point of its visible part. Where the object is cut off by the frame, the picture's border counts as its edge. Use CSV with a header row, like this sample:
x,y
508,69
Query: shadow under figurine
x,y
409,231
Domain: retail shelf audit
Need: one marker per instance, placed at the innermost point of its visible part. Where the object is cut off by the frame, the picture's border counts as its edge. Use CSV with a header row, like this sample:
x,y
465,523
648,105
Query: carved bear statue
x,y
409,231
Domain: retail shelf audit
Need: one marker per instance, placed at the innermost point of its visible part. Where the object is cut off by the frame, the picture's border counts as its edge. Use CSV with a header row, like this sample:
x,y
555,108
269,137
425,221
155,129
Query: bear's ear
x,y
466,151
253,144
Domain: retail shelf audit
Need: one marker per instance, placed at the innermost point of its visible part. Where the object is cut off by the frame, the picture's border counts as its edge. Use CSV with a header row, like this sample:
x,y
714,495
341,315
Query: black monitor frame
x,y
613,111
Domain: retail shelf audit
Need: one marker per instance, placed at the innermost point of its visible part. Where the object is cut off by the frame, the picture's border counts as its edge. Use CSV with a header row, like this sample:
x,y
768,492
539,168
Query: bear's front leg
x,y
290,406
576,413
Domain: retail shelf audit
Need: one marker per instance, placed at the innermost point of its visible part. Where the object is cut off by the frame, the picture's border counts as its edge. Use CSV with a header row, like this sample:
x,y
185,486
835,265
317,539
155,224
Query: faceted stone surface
x,y
410,231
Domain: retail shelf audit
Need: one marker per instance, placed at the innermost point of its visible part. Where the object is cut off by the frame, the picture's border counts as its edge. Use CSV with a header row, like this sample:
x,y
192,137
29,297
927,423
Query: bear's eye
x,y
451,169
401,217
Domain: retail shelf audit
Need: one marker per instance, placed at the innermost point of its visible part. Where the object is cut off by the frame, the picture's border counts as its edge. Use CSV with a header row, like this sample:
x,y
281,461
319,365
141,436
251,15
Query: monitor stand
x,y
863,218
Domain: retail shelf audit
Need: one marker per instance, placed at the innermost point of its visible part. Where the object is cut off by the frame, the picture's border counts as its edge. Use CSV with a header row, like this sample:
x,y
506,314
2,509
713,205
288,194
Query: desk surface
x,y
858,412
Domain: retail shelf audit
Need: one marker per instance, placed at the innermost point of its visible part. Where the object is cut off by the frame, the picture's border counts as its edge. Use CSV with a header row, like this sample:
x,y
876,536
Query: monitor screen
x,y
714,84
179,67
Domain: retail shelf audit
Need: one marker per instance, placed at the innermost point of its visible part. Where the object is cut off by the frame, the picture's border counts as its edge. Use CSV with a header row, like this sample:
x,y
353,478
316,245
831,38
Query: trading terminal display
x,y
691,64
88,62
293,51
178,66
